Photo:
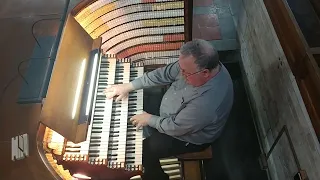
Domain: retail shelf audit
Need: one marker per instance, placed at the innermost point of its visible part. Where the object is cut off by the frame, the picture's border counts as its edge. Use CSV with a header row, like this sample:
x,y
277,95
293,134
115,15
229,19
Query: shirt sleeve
x,y
157,77
190,119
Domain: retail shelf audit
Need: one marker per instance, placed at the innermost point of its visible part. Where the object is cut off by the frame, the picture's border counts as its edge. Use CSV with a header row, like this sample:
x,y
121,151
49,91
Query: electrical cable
x,y
18,68
20,72
6,87
32,28
17,75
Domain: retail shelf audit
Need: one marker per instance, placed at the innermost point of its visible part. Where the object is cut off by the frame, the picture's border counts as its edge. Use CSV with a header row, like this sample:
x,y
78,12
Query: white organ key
x,y
123,118
139,133
165,161
76,149
138,147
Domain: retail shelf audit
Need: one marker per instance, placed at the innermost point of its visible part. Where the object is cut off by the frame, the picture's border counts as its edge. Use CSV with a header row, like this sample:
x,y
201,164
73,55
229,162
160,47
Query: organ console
x,y
111,141
80,133
110,138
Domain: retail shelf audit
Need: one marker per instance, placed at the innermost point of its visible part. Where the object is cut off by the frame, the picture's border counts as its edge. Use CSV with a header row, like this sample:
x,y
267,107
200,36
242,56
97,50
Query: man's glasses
x,y
188,74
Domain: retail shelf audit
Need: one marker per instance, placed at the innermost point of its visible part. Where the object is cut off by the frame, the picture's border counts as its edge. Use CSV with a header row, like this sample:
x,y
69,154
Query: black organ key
x,y
114,135
131,130
120,71
114,132
95,138
72,151
130,148
94,145
112,155
94,155
132,145
94,151
132,110
114,114
115,126
99,110
97,122
103,73
130,135
96,131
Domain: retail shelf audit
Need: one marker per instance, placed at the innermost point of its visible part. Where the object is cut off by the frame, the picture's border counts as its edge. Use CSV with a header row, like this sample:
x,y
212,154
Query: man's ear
x,y
206,72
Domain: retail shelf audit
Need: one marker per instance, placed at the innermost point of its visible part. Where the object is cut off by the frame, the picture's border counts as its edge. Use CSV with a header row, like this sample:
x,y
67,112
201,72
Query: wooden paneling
x,y
188,11
317,58
298,54
316,6
191,170
288,35
274,63
307,20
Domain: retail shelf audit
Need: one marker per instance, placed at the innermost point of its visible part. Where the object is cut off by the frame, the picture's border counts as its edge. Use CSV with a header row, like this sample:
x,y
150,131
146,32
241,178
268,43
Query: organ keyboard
x,y
111,138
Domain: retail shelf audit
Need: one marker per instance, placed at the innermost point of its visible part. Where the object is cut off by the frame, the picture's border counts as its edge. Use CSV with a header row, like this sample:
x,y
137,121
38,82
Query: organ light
x,y
93,75
80,80
81,176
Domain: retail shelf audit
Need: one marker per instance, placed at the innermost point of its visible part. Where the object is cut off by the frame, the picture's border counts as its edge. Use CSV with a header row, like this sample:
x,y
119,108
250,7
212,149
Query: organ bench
x,y
192,164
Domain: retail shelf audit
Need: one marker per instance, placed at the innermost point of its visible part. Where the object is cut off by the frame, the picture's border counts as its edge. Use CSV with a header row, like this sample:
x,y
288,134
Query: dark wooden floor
x,y
235,154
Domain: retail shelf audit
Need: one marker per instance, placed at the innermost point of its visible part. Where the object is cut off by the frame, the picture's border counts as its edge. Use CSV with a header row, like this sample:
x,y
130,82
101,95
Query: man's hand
x,y
120,90
141,120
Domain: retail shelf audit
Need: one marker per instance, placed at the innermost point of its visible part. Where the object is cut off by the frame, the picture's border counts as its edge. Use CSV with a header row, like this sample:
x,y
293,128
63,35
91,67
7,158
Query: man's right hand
x,y
120,90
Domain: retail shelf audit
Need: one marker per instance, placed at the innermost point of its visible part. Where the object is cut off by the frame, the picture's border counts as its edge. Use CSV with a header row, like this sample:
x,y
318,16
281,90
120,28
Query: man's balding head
x,y
198,62
206,57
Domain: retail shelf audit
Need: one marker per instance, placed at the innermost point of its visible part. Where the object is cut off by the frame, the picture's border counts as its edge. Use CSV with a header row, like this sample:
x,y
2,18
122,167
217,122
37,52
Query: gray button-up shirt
x,y
192,114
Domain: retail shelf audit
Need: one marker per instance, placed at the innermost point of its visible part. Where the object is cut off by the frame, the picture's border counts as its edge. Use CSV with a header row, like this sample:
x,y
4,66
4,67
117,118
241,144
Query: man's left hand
x,y
140,120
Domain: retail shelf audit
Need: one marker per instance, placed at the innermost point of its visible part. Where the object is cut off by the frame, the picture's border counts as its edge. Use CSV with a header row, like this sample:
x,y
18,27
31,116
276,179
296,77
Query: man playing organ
x,y
193,111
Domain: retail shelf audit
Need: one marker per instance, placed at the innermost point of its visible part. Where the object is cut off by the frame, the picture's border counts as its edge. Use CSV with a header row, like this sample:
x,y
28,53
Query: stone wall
x,y
274,94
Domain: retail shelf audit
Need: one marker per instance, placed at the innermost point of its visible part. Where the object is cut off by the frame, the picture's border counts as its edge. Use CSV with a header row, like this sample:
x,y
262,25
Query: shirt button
x,y
174,93
165,98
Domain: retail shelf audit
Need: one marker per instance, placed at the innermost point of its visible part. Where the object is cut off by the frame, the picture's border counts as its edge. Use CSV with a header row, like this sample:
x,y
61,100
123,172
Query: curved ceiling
x,y
136,29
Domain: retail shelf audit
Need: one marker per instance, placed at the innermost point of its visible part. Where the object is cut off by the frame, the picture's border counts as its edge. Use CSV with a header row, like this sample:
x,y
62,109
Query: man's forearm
x,y
166,125
190,119
136,84
157,77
